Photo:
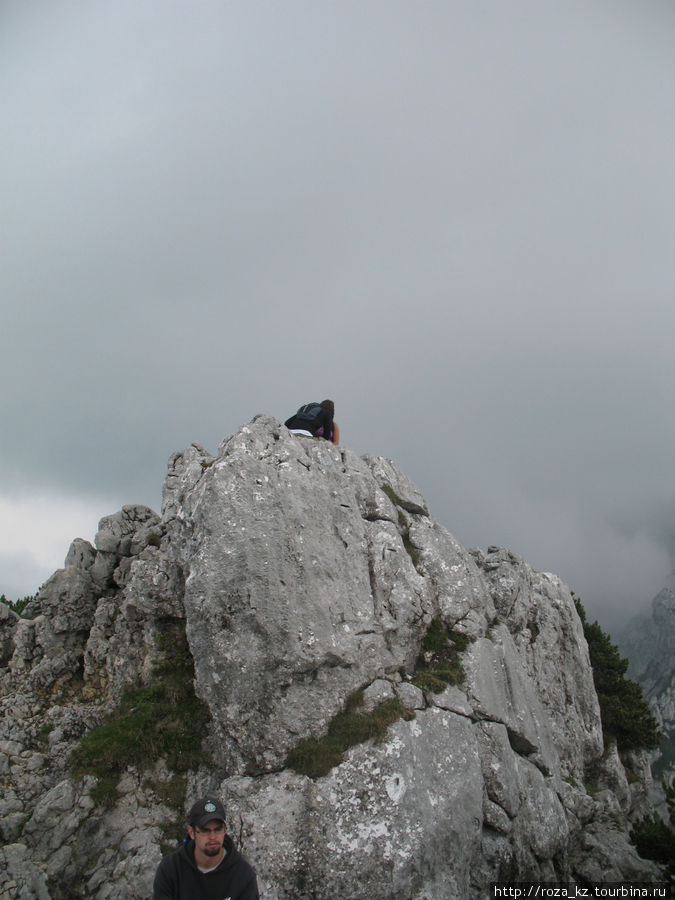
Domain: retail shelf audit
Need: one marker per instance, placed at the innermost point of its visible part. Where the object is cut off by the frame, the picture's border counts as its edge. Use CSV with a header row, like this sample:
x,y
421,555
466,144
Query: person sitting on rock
x,y
207,866
315,420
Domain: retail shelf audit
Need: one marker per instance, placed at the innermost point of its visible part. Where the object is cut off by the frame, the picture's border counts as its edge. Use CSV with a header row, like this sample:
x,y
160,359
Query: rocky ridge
x,y
301,573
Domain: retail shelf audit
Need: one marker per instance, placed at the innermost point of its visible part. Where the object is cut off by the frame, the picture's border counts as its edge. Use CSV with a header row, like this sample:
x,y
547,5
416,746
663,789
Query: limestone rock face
x,y
301,574
547,636
8,623
298,592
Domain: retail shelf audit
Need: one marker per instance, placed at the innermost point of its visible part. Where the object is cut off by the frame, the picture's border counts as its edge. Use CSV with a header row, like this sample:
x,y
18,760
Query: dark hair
x,y
329,406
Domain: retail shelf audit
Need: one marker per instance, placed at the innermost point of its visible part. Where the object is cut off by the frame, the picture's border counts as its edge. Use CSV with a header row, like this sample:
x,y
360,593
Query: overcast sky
x,y
454,217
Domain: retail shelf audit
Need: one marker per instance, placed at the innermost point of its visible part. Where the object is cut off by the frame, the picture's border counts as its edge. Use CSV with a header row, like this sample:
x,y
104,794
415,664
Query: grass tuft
x,y
391,493
164,719
316,757
439,664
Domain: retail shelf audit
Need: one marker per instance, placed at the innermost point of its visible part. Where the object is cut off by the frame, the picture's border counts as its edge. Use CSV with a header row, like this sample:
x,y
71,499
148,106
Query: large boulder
x,y
303,584
304,577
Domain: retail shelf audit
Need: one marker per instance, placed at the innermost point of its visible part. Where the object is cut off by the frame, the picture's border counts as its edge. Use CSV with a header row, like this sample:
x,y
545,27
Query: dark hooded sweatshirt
x,y
178,877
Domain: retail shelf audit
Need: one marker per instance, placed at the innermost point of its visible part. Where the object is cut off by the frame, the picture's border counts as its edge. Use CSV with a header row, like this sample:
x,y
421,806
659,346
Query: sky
x,y
456,218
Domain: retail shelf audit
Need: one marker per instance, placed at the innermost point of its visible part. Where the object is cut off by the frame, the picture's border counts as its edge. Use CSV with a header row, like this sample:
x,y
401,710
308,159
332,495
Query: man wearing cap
x,y
208,866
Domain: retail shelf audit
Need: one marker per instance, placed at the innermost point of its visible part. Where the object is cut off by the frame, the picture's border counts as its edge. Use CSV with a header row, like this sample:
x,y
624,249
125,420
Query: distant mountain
x,y
648,641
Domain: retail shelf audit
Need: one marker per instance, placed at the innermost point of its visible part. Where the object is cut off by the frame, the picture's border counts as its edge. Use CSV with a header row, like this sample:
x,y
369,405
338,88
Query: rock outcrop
x,y
300,574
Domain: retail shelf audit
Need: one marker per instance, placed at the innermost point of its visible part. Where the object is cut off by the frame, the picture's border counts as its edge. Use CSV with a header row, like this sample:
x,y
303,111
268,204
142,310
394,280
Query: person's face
x,y
209,839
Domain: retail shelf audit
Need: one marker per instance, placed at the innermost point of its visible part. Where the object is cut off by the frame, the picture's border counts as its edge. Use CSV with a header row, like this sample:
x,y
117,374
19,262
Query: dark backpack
x,y
306,415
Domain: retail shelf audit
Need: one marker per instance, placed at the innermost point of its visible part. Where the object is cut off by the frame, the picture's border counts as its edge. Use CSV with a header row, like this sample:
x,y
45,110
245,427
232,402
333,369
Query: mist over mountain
x,y
473,206
648,641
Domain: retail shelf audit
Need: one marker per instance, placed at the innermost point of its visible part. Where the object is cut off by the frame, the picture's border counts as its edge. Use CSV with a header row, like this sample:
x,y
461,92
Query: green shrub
x,y
163,719
624,712
439,664
654,839
315,757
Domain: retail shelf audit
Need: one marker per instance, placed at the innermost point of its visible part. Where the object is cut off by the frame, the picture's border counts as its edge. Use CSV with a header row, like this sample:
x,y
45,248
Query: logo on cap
x,y
209,807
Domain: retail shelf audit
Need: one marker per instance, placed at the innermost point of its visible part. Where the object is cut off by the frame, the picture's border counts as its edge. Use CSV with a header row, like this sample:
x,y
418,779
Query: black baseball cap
x,y
206,810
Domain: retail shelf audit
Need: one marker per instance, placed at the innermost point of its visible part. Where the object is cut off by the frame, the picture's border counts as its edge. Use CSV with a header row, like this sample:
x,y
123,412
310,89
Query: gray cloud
x,y
22,575
454,218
